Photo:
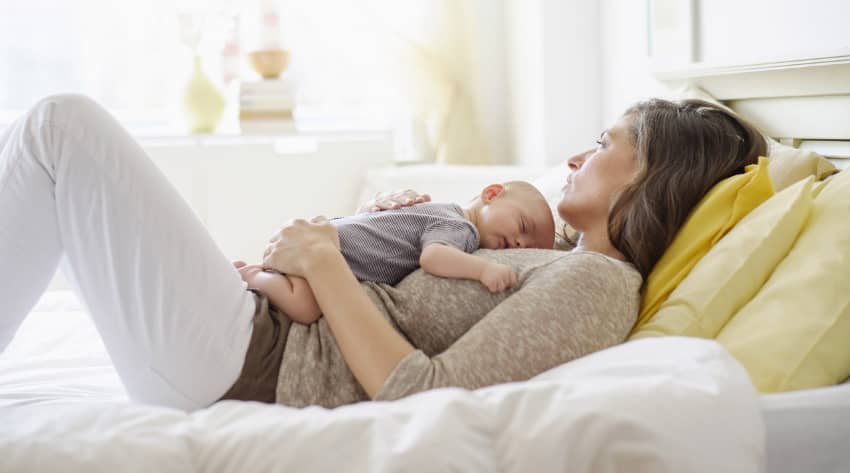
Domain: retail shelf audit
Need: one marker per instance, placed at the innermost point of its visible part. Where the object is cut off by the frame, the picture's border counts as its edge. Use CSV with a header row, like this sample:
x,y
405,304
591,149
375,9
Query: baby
x,y
386,246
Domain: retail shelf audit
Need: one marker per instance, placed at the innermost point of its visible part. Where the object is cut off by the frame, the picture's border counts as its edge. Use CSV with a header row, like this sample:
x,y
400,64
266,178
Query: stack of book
x,y
266,106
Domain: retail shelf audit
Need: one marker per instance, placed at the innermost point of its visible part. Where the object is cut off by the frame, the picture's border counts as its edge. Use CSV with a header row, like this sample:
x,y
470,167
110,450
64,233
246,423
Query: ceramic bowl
x,y
269,63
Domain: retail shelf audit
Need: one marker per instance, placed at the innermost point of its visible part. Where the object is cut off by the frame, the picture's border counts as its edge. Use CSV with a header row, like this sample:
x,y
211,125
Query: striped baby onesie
x,y
384,247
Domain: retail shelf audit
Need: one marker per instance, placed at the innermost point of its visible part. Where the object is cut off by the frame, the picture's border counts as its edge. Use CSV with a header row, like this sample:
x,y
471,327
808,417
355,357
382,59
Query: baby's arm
x,y
291,294
449,262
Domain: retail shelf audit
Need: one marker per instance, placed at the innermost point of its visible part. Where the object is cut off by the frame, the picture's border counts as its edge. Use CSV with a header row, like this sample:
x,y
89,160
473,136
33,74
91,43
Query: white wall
x,y
727,32
554,77
770,29
490,92
572,76
524,48
551,74
626,75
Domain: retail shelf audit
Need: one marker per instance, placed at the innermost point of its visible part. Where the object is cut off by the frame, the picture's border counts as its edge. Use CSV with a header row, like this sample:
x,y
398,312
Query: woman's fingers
x,y
239,263
386,204
394,200
288,250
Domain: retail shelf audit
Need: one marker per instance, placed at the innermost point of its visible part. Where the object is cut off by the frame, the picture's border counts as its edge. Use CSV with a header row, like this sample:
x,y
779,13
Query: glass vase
x,y
203,102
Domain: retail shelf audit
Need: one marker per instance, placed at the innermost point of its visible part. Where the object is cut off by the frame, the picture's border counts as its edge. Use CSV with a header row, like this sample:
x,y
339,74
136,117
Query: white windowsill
x,y
312,128
219,139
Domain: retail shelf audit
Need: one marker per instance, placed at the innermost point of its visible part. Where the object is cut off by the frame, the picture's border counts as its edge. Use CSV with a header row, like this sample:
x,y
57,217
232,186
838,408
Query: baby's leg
x,y
300,303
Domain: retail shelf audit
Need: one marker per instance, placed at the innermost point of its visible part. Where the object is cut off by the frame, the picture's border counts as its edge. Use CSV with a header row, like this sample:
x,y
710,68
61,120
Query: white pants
x,y
173,313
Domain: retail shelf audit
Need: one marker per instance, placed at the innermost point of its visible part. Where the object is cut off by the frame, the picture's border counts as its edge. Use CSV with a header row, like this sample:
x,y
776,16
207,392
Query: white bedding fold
x,y
671,404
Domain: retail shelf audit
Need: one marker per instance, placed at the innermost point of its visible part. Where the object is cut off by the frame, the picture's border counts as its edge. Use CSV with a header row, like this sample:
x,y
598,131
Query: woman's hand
x,y
299,244
393,200
371,347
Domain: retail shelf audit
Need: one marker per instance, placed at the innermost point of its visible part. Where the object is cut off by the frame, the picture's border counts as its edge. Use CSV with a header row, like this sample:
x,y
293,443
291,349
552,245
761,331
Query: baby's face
x,y
516,220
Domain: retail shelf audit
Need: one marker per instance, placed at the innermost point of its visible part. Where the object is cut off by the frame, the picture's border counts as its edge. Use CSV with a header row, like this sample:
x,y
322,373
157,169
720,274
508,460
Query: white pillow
x,y
550,184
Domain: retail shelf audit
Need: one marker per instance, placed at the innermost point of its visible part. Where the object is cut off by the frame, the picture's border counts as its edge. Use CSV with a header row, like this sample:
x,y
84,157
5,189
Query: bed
x,y
63,409
631,408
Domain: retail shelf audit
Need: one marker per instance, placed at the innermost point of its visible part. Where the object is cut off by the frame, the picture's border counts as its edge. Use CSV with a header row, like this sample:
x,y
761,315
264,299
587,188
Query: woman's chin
x,y
564,208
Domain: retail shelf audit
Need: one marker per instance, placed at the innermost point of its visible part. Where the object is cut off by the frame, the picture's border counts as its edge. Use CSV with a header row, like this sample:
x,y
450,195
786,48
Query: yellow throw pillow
x,y
795,333
724,205
789,165
734,269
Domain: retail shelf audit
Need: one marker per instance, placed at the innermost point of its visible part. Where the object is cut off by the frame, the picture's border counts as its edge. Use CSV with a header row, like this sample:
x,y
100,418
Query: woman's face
x,y
598,177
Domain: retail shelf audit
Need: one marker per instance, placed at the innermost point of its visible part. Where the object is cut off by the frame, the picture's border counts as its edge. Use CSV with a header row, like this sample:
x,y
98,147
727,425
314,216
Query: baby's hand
x,y
248,272
254,274
498,277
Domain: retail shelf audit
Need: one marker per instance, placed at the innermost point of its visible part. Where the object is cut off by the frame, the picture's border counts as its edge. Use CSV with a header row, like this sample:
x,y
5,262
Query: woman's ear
x,y
491,192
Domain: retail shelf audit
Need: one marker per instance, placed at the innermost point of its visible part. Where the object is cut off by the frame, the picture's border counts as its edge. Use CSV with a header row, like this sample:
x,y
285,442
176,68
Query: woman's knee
x,y
68,110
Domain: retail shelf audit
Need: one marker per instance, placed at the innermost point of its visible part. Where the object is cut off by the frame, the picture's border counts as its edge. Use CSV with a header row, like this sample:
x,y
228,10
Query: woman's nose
x,y
575,162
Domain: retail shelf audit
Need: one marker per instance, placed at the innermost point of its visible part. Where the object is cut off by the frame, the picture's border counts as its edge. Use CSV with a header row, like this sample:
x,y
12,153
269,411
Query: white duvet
x,y
671,404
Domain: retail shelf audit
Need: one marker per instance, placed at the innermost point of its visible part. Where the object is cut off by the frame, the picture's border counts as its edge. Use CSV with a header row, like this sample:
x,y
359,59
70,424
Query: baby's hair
x,y
523,187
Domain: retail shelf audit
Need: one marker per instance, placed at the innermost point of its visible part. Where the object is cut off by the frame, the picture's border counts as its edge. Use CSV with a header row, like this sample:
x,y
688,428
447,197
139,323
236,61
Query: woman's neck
x,y
599,242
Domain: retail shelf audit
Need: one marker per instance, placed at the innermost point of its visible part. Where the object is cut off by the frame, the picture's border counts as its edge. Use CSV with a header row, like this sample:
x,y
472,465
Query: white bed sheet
x,y
808,431
630,408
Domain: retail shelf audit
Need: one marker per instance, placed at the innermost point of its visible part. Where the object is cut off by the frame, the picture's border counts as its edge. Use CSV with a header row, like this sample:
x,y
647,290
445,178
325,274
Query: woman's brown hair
x,y
683,149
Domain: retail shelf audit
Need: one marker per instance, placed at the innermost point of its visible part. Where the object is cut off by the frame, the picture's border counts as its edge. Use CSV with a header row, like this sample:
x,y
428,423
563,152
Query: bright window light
x,y
128,55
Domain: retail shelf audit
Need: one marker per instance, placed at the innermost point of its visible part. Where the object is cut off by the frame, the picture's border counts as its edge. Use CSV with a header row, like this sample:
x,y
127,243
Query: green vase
x,y
202,101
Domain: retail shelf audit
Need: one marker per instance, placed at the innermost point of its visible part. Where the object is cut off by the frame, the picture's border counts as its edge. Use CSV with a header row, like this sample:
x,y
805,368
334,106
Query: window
x,y
125,54
128,55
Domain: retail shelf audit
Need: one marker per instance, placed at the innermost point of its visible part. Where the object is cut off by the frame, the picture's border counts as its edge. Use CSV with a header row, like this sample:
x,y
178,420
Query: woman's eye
x,y
600,144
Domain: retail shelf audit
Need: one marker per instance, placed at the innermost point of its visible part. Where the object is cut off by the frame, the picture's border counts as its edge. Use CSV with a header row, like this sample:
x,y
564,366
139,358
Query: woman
x,y
182,330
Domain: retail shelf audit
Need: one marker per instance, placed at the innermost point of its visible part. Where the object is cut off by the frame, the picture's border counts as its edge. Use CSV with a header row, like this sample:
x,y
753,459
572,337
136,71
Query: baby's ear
x,y
491,192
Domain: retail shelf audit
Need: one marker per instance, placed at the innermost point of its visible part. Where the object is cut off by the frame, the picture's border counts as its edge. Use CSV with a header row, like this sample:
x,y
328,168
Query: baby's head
x,y
513,215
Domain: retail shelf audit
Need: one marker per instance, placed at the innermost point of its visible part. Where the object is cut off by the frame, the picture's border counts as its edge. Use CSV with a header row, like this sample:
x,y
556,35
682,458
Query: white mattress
x,y
808,431
630,408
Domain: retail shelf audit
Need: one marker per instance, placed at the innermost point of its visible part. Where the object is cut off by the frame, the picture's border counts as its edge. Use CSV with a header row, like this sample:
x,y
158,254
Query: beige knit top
x,y
565,305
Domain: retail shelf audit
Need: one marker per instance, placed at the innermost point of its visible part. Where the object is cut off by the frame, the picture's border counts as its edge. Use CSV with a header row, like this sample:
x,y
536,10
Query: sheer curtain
x,y
409,64
416,57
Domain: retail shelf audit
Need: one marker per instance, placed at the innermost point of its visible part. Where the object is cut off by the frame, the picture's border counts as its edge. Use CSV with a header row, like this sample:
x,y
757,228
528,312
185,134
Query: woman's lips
x,y
569,183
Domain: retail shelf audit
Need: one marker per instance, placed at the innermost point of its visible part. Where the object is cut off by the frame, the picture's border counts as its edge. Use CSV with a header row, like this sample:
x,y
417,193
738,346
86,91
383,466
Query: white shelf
x,y
805,98
789,77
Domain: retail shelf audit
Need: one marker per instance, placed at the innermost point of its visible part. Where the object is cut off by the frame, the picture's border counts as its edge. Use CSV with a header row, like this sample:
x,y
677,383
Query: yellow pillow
x,y
724,205
789,165
795,333
734,269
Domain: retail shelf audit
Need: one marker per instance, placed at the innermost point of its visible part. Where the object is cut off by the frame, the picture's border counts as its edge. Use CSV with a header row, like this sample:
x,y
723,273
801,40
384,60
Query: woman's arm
x,y
369,344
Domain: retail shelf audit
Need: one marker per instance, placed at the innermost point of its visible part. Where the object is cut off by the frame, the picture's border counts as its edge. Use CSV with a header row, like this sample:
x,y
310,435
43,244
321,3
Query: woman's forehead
x,y
619,129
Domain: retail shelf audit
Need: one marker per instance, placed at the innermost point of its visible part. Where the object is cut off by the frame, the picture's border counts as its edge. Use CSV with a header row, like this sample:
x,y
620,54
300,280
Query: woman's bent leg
x,y
172,311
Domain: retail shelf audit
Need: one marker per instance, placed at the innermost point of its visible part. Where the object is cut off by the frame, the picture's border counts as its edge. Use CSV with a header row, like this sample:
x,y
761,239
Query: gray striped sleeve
x,y
460,234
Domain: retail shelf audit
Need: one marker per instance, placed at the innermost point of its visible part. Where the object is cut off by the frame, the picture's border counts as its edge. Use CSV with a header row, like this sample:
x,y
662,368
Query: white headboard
x,y
803,102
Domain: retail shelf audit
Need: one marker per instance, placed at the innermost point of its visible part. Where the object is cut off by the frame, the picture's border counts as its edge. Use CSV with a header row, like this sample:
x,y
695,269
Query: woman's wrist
x,y
320,257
